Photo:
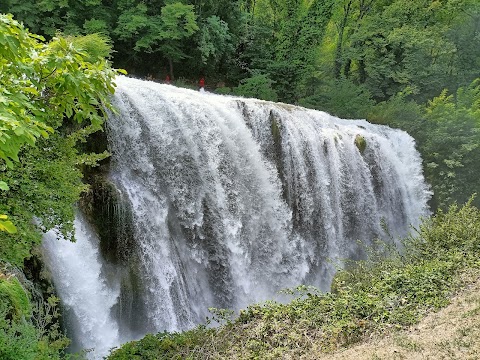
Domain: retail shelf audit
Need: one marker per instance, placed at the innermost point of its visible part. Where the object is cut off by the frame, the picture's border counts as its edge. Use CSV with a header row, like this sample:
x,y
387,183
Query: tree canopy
x,y
64,86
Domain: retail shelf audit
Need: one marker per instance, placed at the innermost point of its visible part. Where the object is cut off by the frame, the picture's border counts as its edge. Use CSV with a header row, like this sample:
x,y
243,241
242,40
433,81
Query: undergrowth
x,y
372,296
29,327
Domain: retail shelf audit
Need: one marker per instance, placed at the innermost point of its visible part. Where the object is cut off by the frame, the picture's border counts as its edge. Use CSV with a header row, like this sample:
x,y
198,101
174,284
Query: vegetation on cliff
x,y
52,96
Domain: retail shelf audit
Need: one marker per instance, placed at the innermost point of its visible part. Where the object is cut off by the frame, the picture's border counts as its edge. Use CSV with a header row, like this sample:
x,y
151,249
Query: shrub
x,y
258,86
27,332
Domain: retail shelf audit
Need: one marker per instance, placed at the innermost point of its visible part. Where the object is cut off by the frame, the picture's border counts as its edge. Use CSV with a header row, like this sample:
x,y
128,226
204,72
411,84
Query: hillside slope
x,y
451,333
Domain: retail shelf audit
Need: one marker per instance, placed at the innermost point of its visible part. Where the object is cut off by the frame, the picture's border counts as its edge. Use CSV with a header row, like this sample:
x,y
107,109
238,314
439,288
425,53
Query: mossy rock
x,y
288,107
112,218
276,152
275,129
14,297
361,143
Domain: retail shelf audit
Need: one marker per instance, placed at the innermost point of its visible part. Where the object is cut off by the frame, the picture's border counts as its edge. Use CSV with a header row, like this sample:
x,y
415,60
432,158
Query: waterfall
x,y
233,199
81,282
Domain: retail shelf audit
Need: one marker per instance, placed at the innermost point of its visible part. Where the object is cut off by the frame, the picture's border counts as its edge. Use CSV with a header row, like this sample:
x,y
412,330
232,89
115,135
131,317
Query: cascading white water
x,y
81,284
233,199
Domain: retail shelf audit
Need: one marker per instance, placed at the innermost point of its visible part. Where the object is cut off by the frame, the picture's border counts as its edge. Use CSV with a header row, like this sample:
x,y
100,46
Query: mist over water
x,y
233,199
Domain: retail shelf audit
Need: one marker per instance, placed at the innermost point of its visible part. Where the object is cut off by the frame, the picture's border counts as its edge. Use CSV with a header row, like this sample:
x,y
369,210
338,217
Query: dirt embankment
x,y
452,333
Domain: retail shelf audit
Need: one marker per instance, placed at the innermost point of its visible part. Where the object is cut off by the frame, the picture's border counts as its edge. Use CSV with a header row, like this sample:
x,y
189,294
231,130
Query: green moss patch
x,y
14,297
360,143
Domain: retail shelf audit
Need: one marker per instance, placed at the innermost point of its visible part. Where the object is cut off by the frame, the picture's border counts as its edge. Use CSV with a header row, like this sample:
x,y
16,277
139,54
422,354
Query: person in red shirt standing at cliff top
x,y
201,84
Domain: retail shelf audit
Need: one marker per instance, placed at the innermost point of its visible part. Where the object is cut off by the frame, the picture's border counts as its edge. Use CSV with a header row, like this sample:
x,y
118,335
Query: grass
x,y
371,297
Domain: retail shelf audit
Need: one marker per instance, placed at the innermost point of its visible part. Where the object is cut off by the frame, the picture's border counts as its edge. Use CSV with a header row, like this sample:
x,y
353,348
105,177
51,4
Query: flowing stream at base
x,y
224,201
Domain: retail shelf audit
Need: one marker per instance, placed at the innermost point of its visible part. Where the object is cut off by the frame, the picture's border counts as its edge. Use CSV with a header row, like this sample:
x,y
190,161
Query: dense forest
x,y
409,64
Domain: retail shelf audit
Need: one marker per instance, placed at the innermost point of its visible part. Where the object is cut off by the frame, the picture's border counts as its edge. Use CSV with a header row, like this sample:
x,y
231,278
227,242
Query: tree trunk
x,y
362,71
339,48
170,63
347,68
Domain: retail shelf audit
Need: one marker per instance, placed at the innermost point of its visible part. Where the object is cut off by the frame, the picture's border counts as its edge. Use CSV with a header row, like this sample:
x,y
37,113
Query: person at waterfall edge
x,y
201,85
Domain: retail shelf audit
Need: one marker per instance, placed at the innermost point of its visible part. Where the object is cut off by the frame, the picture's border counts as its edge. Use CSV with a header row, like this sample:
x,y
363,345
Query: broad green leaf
x,y
8,227
4,186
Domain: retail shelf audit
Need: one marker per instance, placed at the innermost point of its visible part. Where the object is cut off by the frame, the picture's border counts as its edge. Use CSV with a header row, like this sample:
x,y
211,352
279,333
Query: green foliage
x,y
404,44
342,98
387,47
223,90
63,85
292,39
389,61
7,225
18,340
454,233
95,46
13,294
152,32
162,31
19,118
27,331
178,23
96,26
400,112
41,85
368,297
215,40
46,183
452,146
447,133
164,346
158,32
258,86
131,22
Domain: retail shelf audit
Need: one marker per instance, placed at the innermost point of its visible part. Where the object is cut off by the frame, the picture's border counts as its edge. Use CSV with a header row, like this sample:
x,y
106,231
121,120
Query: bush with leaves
x,y
447,132
29,328
43,82
258,86
452,148
341,98
41,85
